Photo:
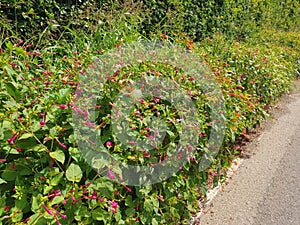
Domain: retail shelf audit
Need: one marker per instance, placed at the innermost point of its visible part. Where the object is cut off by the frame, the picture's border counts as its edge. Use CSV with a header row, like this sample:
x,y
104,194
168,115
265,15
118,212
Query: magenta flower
x,y
109,144
62,215
90,124
128,189
111,174
147,155
42,123
114,204
12,139
2,160
61,144
47,209
57,220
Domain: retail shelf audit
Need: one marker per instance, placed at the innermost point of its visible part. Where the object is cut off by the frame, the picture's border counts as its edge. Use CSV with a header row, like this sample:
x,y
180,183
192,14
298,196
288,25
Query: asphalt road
x,y
266,188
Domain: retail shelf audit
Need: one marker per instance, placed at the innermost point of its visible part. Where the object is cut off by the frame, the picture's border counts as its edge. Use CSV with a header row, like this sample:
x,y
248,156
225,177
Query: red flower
x,y
62,106
19,150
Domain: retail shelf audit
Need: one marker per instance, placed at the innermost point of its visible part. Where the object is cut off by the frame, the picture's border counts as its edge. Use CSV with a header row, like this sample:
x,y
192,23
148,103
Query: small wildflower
x,y
57,220
110,174
109,144
114,204
61,144
47,209
43,178
42,123
128,189
63,106
6,208
62,215
147,155
12,139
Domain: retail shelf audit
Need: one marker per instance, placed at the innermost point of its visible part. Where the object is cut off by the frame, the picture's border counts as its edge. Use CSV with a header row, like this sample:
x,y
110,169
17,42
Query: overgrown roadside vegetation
x,y
252,48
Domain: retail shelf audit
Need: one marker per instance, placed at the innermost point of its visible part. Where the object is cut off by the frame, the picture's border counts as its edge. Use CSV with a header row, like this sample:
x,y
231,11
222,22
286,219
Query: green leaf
x,y
22,203
25,136
12,91
130,211
154,221
17,215
99,214
74,173
106,188
58,155
56,179
148,205
9,175
34,219
75,153
57,200
35,204
9,70
2,203
2,181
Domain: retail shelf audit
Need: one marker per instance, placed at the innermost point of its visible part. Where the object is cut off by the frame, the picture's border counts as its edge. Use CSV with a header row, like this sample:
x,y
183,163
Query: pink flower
x,y
86,115
111,174
114,204
62,215
147,155
61,144
12,139
57,221
94,195
42,123
19,150
47,210
2,160
128,189
90,124
109,144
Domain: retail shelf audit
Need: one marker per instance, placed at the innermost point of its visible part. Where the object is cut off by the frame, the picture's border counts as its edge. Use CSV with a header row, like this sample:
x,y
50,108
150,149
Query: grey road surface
x,y
266,188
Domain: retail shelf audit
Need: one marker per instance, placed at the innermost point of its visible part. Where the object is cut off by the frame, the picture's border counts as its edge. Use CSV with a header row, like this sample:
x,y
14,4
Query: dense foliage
x,y
44,179
197,18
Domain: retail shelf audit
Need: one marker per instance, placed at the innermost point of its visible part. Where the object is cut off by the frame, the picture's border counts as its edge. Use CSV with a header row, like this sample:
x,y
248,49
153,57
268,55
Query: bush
x,y
44,177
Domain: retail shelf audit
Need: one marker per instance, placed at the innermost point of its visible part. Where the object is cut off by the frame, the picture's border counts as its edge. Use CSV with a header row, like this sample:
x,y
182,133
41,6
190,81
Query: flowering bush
x,y
44,178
